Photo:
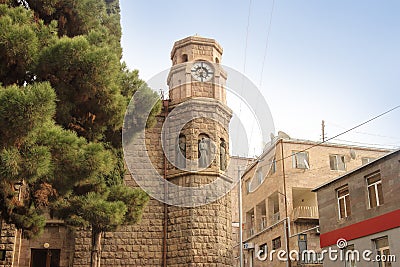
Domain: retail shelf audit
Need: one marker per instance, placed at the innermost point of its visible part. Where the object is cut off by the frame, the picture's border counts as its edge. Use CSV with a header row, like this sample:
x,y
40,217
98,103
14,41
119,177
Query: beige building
x,y
361,209
280,211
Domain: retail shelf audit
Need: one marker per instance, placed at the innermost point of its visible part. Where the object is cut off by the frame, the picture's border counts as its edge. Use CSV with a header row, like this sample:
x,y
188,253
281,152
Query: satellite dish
x,y
283,135
352,154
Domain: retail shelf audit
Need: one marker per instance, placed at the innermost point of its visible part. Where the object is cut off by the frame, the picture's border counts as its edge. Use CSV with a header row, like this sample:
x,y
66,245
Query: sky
x,y
337,61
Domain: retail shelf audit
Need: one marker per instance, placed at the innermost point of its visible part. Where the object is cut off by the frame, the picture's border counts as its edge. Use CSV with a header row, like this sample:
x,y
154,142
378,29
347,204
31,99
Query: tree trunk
x,y
96,248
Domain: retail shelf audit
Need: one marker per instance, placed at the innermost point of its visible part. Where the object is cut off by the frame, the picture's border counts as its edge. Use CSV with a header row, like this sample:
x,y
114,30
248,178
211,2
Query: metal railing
x,y
305,212
263,223
313,258
276,217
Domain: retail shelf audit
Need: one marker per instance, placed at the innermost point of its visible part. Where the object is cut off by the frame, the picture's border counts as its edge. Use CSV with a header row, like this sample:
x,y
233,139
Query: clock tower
x,y
199,225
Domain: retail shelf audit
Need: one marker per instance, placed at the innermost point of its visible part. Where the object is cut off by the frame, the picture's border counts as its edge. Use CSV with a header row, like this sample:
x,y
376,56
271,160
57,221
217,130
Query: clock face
x,y
202,71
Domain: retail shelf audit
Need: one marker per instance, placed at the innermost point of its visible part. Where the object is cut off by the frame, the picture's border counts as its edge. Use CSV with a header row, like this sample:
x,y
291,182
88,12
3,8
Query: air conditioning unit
x,y
248,245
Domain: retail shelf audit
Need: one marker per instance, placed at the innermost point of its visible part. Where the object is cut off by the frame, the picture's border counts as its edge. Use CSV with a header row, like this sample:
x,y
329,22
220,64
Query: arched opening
x,y
181,152
184,58
216,60
222,155
204,150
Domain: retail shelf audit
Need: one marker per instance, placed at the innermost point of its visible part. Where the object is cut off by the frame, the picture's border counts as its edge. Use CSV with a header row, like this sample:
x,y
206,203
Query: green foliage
x,y
103,211
20,42
134,199
23,110
85,78
63,94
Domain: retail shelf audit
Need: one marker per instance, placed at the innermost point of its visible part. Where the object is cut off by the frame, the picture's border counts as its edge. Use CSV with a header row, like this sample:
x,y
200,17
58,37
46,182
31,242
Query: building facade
x,y
360,214
280,211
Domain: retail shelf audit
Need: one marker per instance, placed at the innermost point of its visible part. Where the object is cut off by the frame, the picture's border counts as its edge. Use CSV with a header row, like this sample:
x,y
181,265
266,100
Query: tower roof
x,y
196,40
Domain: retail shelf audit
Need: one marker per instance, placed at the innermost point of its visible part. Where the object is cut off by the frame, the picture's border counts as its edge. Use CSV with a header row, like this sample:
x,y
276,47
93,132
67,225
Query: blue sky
x,y
333,60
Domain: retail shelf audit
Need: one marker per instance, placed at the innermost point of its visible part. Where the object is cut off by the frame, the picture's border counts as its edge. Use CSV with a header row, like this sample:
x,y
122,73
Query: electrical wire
x,y
267,42
369,144
247,37
264,57
340,134
244,60
371,134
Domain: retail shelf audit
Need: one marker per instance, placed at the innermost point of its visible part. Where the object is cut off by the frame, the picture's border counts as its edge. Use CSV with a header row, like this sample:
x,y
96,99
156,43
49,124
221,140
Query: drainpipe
x,y
240,220
287,222
165,226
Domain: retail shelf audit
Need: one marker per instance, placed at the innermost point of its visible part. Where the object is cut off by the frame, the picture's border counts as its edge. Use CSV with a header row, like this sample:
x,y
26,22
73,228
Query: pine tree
x,y
62,101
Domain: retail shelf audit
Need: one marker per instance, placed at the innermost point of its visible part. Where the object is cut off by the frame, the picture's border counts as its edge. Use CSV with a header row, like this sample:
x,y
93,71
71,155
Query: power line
x,y
247,37
244,63
263,62
365,133
369,144
342,133
267,41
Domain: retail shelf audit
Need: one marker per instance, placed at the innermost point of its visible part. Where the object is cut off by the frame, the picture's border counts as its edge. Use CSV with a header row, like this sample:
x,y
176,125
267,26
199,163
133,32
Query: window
x,y
343,202
351,256
180,159
2,254
276,243
260,176
366,160
382,249
273,166
248,186
264,249
375,194
300,160
337,162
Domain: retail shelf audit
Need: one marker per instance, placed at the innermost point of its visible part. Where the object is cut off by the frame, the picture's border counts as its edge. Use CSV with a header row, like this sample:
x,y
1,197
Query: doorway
x,y
45,258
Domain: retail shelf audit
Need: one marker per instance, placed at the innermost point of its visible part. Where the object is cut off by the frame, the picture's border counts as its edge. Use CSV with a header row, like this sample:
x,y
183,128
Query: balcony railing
x,y
263,223
311,258
305,212
276,217
251,232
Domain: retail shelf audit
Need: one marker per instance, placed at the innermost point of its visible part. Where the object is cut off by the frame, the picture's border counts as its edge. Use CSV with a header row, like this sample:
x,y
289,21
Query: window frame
x,y
336,162
377,188
296,164
260,175
264,248
381,251
366,160
346,202
275,243
273,165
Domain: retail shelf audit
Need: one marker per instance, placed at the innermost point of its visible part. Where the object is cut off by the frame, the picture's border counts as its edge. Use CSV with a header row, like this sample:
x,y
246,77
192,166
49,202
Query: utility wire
x,y
342,133
369,144
247,37
371,134
267,42
244,62
263,62
349,130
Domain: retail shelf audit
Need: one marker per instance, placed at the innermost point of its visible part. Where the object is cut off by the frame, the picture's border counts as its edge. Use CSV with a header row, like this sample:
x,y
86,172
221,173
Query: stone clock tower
x,y
188,221
199,227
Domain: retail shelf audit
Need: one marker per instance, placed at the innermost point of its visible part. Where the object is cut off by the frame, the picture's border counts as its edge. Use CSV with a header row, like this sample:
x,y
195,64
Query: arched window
x,y
184,58
181,152
222,155
216,60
